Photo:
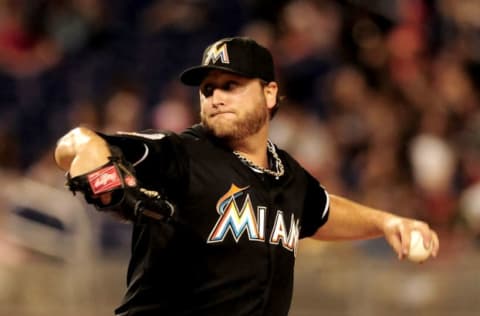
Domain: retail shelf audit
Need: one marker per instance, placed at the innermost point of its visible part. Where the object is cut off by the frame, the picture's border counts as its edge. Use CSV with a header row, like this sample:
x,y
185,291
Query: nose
x,y
217,97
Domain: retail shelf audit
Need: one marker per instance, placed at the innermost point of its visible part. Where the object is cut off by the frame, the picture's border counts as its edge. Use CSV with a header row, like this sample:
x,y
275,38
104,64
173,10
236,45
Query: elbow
x,y
69,145
65,151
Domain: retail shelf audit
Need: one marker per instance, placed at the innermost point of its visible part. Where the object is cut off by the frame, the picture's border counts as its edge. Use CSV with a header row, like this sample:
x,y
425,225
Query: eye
x,y
207,90
229,85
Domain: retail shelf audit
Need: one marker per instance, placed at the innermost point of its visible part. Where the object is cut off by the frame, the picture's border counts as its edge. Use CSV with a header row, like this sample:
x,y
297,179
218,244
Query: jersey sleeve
x,y
316,208
158,158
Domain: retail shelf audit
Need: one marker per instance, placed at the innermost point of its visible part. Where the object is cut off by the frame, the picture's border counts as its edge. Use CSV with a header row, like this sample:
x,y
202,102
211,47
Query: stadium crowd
x,y
381,97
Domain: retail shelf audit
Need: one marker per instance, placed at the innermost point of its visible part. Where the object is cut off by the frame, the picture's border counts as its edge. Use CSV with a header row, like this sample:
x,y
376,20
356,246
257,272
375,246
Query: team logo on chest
x,y
239,217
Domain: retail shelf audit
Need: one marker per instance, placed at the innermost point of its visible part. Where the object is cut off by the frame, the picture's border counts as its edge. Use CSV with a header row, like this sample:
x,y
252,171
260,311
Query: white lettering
x,y
261,211
279,231
242,220
104,179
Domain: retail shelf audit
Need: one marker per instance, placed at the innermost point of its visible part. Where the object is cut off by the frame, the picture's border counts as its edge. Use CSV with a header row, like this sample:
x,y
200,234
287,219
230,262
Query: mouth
x,y
221,113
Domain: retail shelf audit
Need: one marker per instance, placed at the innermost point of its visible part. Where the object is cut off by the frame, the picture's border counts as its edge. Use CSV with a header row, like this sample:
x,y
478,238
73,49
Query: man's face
x,y
234,107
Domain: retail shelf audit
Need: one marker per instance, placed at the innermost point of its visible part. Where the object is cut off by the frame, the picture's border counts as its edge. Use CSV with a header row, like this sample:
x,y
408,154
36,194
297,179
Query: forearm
x,y
80,151
349,220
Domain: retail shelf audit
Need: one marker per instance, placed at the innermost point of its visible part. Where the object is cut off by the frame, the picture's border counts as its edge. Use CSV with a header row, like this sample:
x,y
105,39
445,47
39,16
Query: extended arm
x,y
351,221
106,178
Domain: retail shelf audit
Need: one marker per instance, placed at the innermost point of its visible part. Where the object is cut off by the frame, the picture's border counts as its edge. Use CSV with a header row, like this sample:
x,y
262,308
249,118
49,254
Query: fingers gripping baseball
x,y
399,232
393,237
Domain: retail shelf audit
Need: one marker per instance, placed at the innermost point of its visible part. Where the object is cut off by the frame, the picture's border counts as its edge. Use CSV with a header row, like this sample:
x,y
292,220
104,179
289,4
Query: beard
x,y
241,127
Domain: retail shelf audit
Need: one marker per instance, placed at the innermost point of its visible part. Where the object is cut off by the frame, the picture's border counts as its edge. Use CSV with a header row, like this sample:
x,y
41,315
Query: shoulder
x,y
295,170
288,160
137,145
197,138
196,132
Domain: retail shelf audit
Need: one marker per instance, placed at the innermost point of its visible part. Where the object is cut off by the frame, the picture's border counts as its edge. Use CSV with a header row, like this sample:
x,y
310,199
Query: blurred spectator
x,y
123,110
434,163
308,47
175,111
349,98
9,150
310,142
23,51
407,42
383,94
262,32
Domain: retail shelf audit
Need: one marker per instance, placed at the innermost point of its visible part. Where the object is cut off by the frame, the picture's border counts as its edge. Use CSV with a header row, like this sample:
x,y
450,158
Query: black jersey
x,y
230,248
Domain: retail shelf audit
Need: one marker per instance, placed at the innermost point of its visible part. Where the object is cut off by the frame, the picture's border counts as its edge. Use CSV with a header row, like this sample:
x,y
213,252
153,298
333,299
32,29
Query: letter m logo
x,y
215,53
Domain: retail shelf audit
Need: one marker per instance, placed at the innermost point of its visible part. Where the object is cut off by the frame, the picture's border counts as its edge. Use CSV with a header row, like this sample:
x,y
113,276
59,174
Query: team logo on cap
x,y
215,53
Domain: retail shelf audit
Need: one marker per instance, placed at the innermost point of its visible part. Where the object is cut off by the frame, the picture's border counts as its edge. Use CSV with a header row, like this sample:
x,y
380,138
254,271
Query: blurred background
x,y
381,105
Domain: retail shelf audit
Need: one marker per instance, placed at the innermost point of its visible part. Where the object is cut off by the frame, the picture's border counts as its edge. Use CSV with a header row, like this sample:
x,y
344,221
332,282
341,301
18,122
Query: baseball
x,y
417,251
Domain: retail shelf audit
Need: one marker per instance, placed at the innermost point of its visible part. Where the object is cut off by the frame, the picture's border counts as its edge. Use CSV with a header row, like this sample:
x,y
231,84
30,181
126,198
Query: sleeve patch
x,y
152,136
327,204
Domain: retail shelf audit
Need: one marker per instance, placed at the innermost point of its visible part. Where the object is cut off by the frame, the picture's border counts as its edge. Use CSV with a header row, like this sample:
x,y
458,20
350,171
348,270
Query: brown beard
x,y
248,125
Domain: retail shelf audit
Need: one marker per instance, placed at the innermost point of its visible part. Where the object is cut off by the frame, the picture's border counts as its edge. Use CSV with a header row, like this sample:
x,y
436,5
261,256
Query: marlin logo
x,y
215,53
234,219
244,220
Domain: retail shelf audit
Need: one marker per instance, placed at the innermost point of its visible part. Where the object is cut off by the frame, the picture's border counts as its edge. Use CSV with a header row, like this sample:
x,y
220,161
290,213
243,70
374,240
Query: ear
x,y
270,91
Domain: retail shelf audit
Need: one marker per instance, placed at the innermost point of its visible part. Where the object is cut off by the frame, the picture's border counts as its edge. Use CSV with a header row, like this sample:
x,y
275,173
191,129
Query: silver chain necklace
x,y
280,170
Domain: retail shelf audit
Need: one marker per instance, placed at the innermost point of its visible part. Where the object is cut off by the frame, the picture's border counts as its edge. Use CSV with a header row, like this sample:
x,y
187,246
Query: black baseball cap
x,y
239,55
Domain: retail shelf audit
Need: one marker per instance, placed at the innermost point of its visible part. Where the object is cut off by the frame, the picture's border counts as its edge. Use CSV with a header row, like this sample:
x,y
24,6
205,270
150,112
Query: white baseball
x,y
417,251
